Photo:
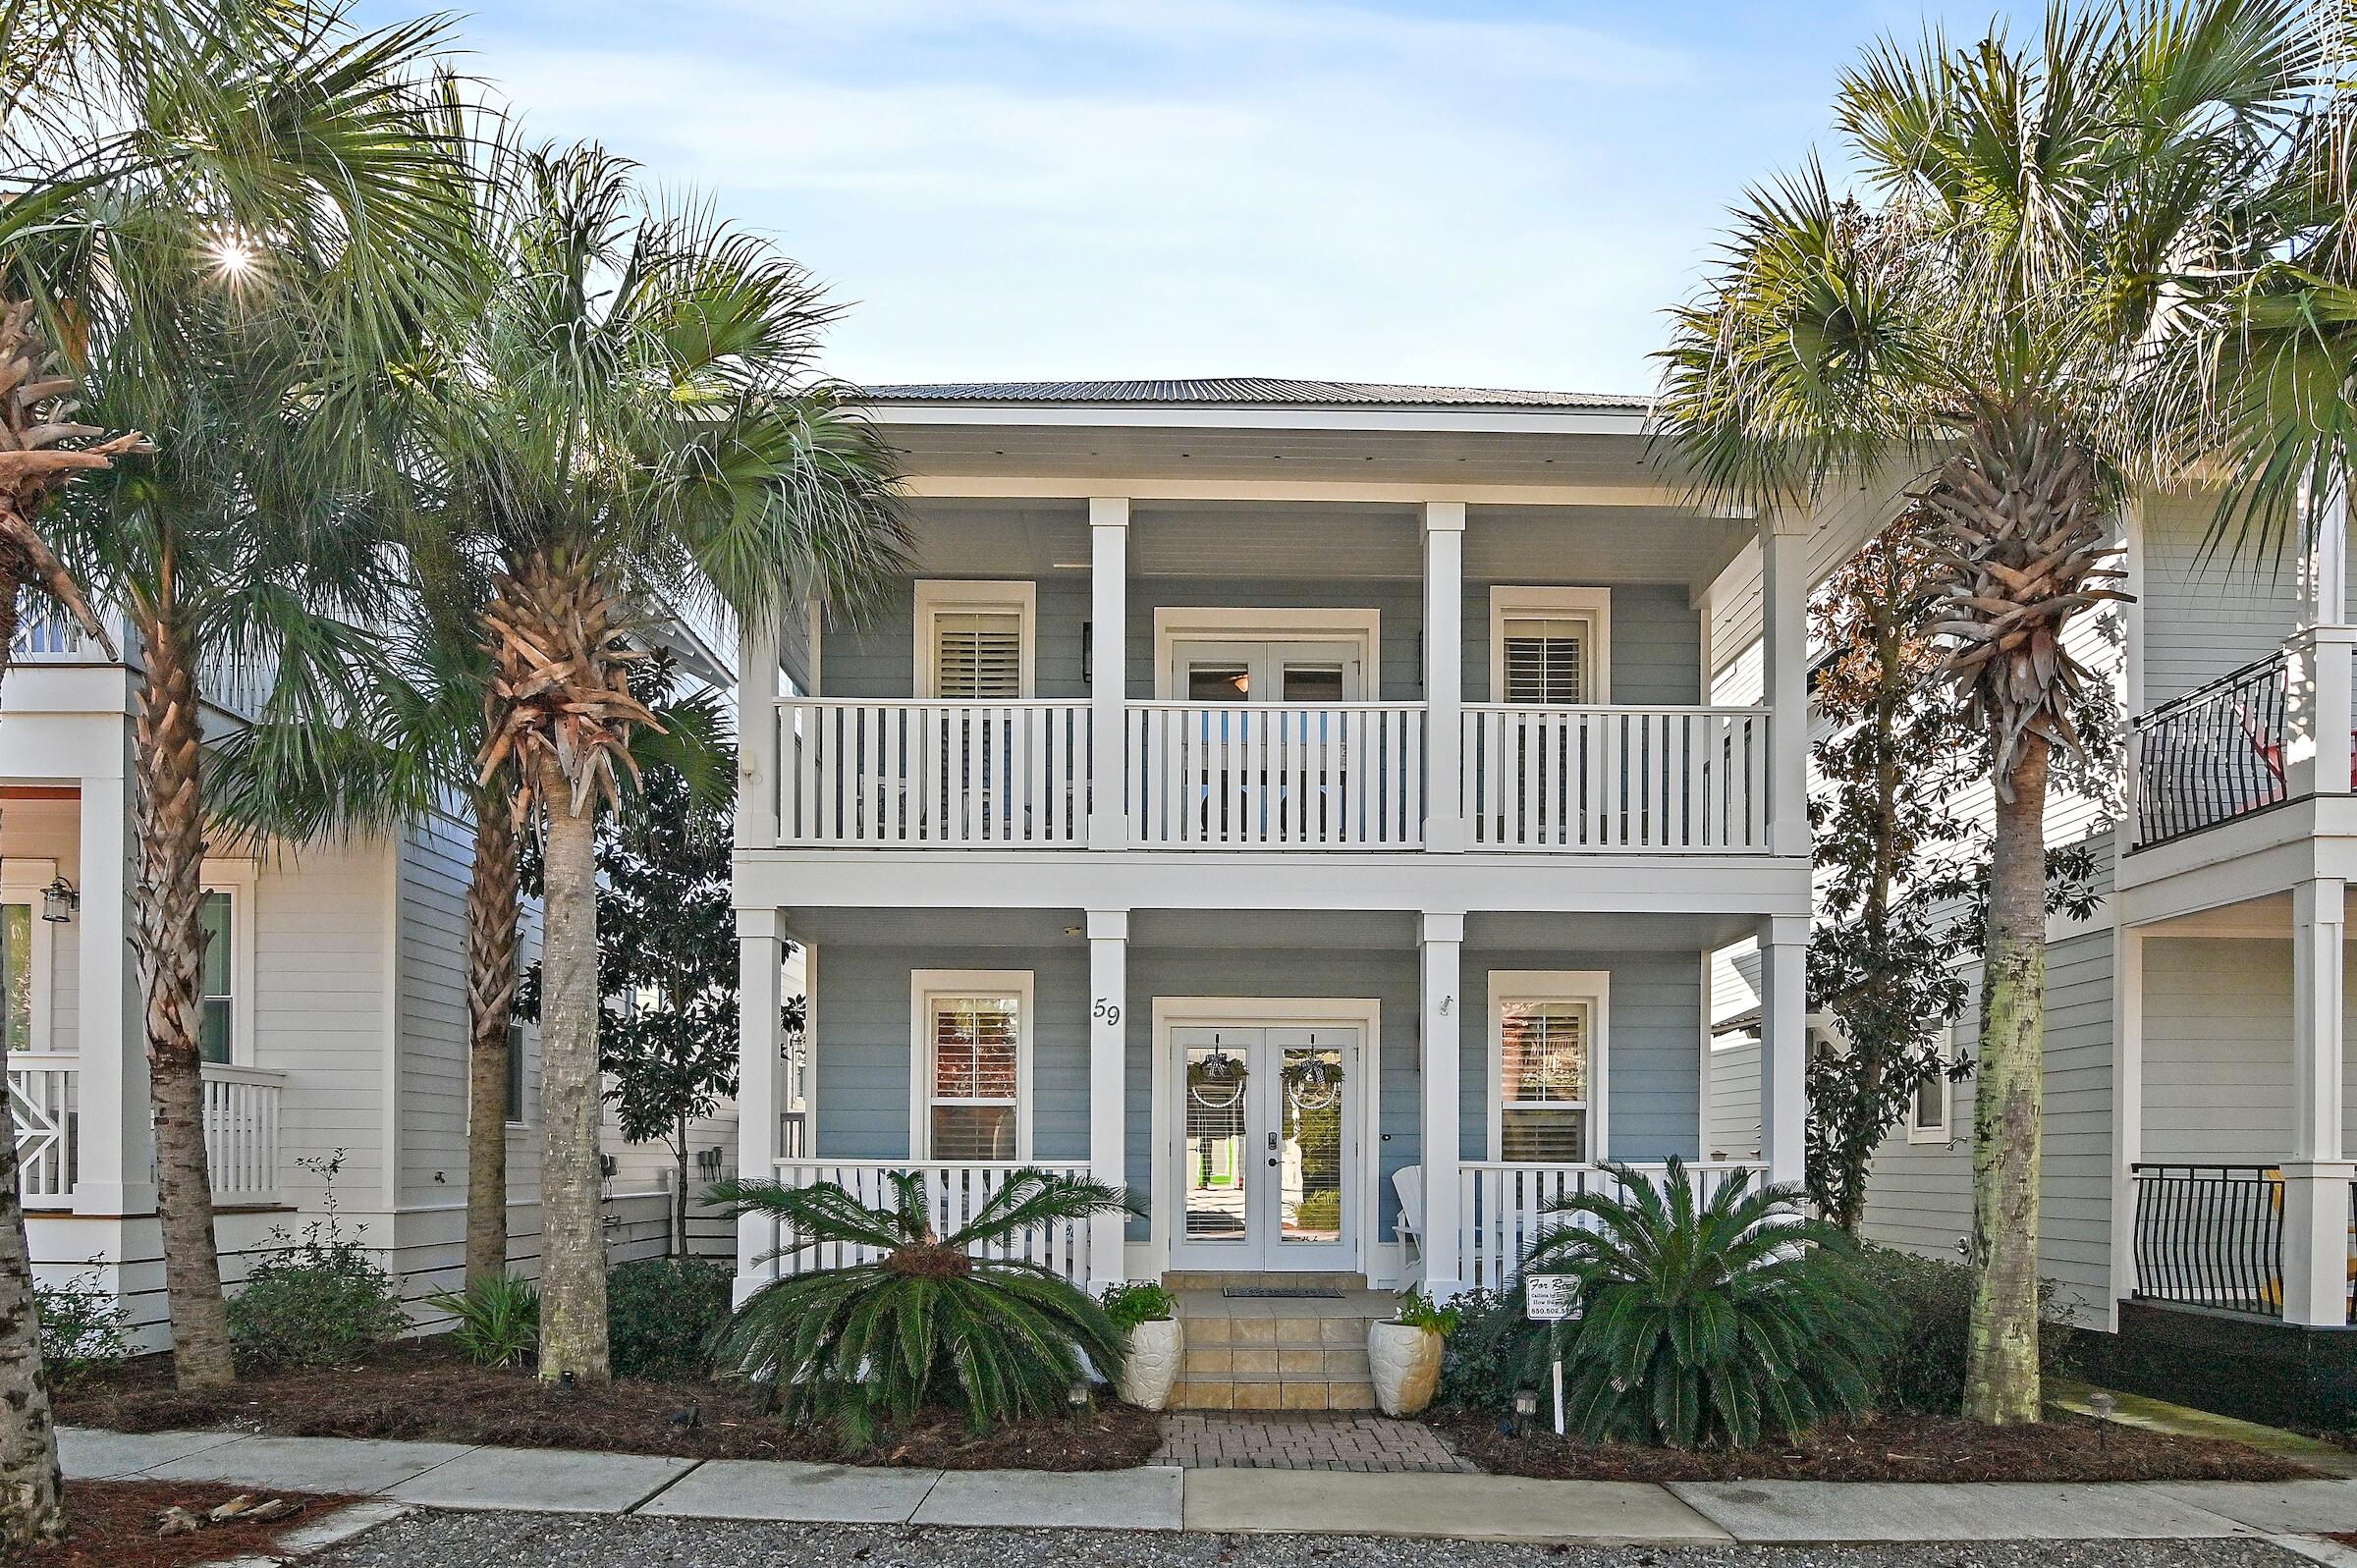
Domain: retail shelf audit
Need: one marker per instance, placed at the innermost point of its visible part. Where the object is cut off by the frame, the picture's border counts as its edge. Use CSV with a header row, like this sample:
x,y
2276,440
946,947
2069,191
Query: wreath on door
x,y
1314,1083
1216,1082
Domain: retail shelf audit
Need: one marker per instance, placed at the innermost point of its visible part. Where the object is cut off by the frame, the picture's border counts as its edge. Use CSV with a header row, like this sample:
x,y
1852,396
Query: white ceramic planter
x,y
1405,1364
1152,1366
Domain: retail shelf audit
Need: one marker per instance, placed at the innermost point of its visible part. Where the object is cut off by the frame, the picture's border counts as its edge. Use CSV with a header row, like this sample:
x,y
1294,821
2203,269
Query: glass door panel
x,y
1310,1201
1214,1153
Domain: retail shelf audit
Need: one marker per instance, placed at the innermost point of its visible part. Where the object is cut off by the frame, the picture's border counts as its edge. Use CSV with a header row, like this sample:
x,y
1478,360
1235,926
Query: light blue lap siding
x,y
1653,1048
865,1090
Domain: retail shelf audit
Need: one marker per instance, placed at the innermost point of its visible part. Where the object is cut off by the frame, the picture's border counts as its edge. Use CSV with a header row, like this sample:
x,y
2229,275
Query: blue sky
x,y
1486,194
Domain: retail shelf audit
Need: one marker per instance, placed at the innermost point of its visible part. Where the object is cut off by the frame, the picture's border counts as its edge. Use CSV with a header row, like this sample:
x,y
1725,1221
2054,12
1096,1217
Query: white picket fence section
x,y
1270,775
957,1191
1503,1208
241,1132
1649,779
964,775
40,1096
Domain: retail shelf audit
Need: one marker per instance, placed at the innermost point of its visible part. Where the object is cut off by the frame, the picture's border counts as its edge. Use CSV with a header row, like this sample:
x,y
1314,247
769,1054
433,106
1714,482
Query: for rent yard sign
x,y
1553,1297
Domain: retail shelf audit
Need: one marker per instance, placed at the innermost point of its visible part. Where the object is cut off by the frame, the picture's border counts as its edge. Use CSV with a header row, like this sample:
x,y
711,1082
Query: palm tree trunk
x,y
573,1242
2002,1371
31,1491
168,943
491,942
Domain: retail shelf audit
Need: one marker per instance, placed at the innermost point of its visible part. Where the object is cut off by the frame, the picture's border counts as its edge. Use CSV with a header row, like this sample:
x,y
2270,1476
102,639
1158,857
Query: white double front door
x,y
1267,1146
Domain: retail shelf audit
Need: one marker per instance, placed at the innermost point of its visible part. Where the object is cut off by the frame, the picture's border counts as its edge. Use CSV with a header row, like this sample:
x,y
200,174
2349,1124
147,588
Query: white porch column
x,y
760,959
757,736
1441,1042
2127,1110
1444,674
1785,632
1108,671
1108,1084
2316,753
2316,1179
1784,1047
114,1144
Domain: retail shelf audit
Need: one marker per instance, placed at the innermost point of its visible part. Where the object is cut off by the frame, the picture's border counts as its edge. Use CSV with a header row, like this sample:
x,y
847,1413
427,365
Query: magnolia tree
x,y
1902,860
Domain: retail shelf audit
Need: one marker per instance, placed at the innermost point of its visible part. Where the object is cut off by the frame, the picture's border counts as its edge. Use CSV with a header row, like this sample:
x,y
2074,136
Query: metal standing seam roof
x,y
1247,392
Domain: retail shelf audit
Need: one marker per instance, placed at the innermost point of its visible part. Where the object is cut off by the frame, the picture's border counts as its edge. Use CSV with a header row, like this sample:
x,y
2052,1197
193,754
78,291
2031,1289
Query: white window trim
x,y
1176,623
940,596
1593,987
238,879
21,882
1591,605
1945,1134
923,986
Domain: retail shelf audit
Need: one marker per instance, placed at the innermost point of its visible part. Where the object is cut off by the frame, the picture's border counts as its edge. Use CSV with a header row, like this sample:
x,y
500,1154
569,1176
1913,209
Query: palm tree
x,y
924,1315
234,216
630,419
1981,326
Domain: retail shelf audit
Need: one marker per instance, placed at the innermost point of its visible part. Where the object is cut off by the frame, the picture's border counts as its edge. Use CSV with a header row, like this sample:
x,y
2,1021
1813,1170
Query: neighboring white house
x,y
335,1022
2197,1205
1284,799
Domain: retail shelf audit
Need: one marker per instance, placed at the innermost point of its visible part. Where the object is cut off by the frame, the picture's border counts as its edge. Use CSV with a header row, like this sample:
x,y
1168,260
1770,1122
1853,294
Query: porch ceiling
x,y
2269,916
1324,931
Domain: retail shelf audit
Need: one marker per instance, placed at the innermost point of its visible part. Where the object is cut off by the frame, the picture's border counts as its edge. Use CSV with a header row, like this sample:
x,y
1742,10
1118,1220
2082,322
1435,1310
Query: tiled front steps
x,y
1276,1353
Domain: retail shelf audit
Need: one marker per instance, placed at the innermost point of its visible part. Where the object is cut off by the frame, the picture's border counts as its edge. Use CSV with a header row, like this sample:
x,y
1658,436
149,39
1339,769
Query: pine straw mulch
x,y
113,1524
423,1392
1882,1448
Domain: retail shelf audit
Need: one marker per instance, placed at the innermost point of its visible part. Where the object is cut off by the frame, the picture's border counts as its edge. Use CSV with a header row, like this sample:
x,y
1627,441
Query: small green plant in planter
x,y
1707,1324
930,1318
1403,1355
497,1324
1148,1318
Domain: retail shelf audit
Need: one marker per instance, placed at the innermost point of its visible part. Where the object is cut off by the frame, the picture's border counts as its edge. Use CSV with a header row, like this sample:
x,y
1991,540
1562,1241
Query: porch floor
x,y
1276,1353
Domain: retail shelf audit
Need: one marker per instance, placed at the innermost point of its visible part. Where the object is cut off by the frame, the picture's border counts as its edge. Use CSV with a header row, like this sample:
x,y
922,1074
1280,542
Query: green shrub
x,y
1137,1301
83,1327
1492,1352
320,1301
662,1314
1320,1211
995,1337
498,1321
1708,1323
1927,1304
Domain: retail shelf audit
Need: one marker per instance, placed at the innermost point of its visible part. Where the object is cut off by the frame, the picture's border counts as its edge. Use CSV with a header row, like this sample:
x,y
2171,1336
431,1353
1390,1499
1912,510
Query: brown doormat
x,y
1282,1293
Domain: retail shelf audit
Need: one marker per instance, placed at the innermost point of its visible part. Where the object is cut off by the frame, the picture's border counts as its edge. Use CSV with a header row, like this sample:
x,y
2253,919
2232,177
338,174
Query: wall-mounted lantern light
x,y
59,900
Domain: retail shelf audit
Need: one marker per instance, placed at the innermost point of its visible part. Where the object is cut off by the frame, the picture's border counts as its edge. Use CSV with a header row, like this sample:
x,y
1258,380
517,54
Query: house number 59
x,y
1110,1012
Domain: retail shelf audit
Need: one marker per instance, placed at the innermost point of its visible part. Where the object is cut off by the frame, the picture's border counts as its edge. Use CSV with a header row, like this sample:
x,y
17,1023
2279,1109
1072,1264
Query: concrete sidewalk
x,y
1261,1501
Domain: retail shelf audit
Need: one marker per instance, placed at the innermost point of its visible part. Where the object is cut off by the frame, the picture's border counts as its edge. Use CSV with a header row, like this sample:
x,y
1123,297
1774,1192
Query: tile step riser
x,y
1301,1396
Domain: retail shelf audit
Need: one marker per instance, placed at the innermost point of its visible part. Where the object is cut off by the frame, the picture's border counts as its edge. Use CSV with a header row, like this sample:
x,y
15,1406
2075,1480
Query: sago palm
x,y
628,420
1706,1323
1979,327
928,1316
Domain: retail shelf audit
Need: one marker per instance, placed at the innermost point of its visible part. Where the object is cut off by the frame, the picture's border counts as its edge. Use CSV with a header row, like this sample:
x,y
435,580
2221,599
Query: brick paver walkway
x,y
1216,1440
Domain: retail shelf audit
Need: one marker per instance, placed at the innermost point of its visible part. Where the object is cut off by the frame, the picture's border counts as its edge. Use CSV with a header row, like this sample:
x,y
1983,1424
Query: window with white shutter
x,y
1547,1035
971,1043
1545,660
975,640
1551,648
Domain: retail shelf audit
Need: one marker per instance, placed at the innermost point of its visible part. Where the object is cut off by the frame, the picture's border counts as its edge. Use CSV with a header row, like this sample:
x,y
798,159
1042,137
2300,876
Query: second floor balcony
x,y
1234,776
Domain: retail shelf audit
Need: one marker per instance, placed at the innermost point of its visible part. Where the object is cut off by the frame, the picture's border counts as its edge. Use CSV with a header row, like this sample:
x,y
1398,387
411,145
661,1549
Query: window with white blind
x,y
1550,647
973,1046
1546,1052
1929,1115
975,640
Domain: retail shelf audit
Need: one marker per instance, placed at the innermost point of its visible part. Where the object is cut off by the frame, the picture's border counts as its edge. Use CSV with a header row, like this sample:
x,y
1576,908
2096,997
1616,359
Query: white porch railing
x,y
40,1096
964,775
1268,776
958,1190
240,1130
1503,1208
1648,780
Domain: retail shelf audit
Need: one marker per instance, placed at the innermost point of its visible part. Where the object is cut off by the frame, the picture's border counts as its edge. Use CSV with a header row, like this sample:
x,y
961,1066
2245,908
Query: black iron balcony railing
x,y
2211,1236
2213,754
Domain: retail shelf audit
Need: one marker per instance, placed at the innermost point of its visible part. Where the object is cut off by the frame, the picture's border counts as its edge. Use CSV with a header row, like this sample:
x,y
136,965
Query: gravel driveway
x,y
540,1541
